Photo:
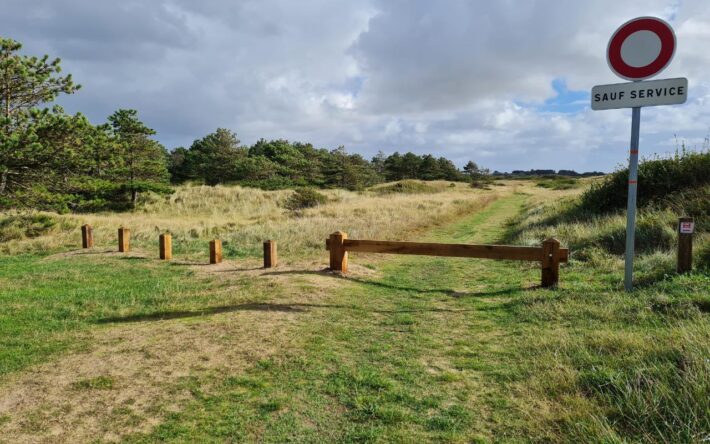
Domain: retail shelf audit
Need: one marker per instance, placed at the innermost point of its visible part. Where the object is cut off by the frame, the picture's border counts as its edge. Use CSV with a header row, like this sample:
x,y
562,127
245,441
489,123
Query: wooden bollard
x,y
124,240
270,259
550,263
166,246
338,254
686,226
215,251
87,236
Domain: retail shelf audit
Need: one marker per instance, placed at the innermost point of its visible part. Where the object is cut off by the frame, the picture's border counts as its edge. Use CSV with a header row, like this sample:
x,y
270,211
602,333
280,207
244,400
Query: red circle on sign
x,y
655,25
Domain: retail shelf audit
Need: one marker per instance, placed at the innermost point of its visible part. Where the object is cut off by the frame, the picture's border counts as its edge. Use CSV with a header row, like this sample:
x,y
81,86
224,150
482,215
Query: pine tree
x,y
429,168
378,164
144,160
25,83
471,168
214,157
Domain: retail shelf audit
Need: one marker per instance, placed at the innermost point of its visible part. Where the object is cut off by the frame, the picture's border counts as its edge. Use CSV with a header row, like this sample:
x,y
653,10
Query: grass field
x,y
108,347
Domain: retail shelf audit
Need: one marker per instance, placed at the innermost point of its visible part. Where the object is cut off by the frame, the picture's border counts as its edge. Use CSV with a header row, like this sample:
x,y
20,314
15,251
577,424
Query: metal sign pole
x,y
631,203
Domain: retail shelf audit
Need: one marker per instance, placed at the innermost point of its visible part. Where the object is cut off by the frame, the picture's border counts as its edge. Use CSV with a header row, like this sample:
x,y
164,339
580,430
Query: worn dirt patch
x,y
56,402
303,273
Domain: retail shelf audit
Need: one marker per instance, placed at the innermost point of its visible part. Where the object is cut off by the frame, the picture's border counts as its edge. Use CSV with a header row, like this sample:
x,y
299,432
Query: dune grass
x,y
244,217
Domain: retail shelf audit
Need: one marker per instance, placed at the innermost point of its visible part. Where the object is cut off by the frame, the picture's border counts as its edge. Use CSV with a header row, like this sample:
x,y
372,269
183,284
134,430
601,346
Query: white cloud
x,y
460,78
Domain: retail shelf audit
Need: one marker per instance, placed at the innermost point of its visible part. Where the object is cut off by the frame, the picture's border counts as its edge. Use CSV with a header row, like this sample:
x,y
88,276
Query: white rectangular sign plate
x,y
647,93
687,227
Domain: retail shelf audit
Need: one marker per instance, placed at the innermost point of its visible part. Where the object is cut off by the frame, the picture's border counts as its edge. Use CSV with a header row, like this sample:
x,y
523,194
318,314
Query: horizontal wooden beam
x,y
503,252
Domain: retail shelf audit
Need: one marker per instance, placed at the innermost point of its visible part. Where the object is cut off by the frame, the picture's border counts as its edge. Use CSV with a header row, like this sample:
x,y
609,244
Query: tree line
x,y
56,161
539,173
219,158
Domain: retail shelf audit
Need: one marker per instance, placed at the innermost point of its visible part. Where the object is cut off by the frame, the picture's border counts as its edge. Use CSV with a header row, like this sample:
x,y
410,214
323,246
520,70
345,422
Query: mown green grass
x,y
47,304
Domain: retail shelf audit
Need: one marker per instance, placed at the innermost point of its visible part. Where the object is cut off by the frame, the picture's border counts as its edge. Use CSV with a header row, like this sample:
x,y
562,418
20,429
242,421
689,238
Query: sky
x,y
504,83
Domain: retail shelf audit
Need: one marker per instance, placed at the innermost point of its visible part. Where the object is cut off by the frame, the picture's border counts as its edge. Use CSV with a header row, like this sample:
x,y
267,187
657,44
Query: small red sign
x,y
641,48
687,227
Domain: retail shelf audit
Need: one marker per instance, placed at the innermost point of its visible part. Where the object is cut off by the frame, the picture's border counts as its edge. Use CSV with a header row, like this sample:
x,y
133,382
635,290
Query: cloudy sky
x,y
505,83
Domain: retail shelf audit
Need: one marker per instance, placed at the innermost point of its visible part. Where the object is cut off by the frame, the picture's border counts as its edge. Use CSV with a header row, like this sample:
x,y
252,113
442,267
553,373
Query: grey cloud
x,y
445,77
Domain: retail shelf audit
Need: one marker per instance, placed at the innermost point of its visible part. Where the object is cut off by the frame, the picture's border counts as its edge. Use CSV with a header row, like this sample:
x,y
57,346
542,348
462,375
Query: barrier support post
x,y
550,263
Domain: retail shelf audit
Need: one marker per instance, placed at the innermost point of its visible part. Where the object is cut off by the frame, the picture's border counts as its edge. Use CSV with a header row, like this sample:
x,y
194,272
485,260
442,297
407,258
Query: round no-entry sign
x,y
641,48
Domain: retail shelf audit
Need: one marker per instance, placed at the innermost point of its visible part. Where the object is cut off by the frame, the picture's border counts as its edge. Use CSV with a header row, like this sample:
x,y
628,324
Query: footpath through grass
x,y
423,353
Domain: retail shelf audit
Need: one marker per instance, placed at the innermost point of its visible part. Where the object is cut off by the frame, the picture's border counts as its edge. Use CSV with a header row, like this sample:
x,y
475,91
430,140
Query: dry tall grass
x,y
243,218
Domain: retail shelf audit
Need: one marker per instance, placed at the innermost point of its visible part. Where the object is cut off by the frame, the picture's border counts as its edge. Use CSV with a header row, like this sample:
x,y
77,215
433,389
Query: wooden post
x,y
166,246
215,251
124,240
87,236
686,226
270,259
338,255
550,263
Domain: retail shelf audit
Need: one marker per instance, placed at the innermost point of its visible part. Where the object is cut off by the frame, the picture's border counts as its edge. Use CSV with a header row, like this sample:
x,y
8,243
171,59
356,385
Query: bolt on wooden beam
x,y
270,258
124,240
215,251
87,236
166,246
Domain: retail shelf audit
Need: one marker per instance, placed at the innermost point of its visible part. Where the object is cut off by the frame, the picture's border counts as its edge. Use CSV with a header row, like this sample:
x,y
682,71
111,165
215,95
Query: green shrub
x,y
407,187
653,233
658,179
270,184
693,202
25,225
559,183
304,198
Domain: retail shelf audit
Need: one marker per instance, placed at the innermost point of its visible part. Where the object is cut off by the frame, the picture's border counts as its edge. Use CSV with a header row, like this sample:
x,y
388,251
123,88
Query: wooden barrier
x,y
215,251
124,240
270,258
87,236
549,255
686,226
166,246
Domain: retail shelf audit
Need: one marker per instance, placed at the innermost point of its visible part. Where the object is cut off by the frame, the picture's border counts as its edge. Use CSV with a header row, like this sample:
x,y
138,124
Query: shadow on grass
x,y
88,251
133,258
283,308
167,315
231,270
207,264
453,293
